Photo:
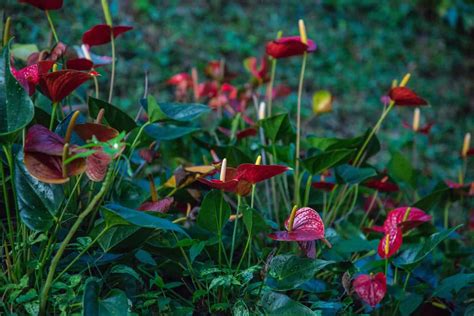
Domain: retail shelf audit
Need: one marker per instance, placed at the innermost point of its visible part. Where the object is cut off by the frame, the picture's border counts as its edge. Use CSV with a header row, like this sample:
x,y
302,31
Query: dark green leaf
x,y
410,303
168,132
16,108
277,126
173,111
282,305
90,299
38,202
400,169
123,269
253,221
453,284
352,175
327,160
112,114
214,213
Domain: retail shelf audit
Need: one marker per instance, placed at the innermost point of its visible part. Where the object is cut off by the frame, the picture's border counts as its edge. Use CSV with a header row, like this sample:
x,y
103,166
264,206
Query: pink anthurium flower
x,y
29,76
304,226
161,206
402,96
101,34
382,185
289,46
371,289
59,84
240,180
43,156
98,162
45,4
398,221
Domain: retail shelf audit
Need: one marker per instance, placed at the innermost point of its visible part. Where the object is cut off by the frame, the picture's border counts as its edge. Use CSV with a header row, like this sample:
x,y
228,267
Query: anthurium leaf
x,y
253,221
277,126
168,132
214,213
280,304
16,107
114,116
124,269
410,303
326,160
38,202
352,175
62,126
140,218
288,272
116,235
114,304
453,284
90,299
234,155
163,111
401,169
440,194
412,257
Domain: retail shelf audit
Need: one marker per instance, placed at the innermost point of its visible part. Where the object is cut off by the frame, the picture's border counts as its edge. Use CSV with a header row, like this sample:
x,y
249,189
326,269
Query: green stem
x,y
307,189
298,131
112,74
270,86
53,116
7,207
252,196
67,239
239,198
446,215
51,25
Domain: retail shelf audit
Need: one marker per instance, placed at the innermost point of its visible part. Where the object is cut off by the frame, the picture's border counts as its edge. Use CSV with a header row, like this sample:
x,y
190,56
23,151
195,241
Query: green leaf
x,y
214,213
400,169
138,218
453,284
287,272
326,160
116,235
254,221
90,298
38,202
410,303
114,304
112,114
412,257
145,257
352,175
124,269
277,126
168,132
173,111
196,250
282,305
16,108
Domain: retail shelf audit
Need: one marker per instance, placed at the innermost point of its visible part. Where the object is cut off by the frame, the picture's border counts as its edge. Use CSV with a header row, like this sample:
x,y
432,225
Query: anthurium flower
x,y
398,221
289,46
403,96
161,206
281,91
207,90
306,227
59,84
101,34
217,70
29,76
98,162
45,4
382,185
259,74
82,64
43,156
323,185
179,79
247,132
426,129
240,180
371,289
53,55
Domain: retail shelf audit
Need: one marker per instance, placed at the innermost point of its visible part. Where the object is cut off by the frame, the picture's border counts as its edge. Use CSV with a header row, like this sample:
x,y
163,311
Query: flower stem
x,y
298,131
234,233
67,239
112,74
51,25
53,116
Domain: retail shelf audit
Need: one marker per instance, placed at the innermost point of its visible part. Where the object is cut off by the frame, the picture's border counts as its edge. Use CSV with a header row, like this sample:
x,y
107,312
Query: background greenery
x,y
362,47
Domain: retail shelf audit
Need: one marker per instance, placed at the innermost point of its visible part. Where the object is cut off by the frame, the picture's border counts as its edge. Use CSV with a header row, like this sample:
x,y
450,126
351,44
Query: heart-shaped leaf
x,y
112,114
168,132
165,111
214,212
327,160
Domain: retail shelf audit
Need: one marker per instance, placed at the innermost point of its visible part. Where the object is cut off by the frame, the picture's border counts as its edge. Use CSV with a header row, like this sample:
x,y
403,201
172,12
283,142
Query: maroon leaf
x,y
79,64
323,185
45,4
101,34
59,84
403,96
103,133
371,289
97,165
161,206
382,185
289,46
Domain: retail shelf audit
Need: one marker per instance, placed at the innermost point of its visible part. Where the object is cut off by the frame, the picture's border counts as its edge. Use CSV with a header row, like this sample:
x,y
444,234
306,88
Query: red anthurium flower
x,y
281,91
403,96
83,64
248,132
101,34
241,179
307,228
371,289
53,55
382,185
289,46
422,130
207,90
398,221
98,162
179,79
323,185
259,74
59,84
45,4
43,156
161,206
29,76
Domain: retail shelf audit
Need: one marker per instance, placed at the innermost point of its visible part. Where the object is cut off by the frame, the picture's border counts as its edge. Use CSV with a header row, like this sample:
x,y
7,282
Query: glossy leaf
x,y
168,132
401,169
16,108
38,202
114,116
214,212
352,175
453,284
280,304
180,112
277,127
327,160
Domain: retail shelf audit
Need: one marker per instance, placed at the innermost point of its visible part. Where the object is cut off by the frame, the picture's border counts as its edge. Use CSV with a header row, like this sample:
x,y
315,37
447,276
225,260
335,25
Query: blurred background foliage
x,y
362,47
